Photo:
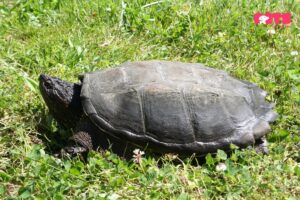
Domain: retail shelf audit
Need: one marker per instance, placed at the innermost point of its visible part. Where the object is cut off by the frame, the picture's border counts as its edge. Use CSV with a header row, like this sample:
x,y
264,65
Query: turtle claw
x,y
71,152
75,150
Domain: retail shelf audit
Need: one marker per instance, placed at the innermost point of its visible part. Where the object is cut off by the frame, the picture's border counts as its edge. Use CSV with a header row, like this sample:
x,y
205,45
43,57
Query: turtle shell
x,y
176,107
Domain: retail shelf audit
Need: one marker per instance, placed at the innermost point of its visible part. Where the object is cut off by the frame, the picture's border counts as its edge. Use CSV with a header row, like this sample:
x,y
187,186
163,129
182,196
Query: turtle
x,y
162,106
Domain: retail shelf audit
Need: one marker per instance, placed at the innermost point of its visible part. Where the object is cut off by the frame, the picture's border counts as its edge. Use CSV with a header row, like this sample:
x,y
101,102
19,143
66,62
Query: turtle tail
x,y
263,110
262,127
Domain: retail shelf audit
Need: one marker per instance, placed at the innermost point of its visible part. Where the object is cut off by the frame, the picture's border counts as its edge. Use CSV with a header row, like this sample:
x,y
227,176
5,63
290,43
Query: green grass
x,y
68,37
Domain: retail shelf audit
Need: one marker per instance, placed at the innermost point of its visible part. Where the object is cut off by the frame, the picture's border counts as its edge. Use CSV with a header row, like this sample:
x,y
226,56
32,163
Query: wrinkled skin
x,y
62,99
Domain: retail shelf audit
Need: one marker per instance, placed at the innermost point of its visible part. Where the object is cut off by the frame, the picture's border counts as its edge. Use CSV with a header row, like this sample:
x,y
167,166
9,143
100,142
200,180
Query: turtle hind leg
x,y
261,146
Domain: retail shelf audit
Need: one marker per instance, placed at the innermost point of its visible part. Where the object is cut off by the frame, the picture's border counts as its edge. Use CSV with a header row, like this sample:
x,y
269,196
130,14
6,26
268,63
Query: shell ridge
x,y
88,107
160,71
124,74
141,104
187,111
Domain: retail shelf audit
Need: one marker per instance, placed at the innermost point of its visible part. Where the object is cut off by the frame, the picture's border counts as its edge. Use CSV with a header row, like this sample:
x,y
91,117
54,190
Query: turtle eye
x,y
47,85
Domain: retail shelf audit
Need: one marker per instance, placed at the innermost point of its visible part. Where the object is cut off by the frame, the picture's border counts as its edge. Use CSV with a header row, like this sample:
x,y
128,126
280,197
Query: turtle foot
x,y
261,146
73,151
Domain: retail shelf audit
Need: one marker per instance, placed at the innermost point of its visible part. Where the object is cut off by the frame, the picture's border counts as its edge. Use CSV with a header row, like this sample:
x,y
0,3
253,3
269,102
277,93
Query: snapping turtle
x,y
165,106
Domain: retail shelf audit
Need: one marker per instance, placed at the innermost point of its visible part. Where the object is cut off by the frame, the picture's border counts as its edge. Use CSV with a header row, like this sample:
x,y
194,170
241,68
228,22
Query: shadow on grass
x,y
52,135
55,137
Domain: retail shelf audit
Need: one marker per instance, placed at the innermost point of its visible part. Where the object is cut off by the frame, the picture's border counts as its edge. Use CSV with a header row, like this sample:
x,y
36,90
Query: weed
x,y
70,37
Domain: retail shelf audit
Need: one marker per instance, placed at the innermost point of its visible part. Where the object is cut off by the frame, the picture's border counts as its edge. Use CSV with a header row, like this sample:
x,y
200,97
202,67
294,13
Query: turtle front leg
x,y
79,143
88,137
82,141
261,146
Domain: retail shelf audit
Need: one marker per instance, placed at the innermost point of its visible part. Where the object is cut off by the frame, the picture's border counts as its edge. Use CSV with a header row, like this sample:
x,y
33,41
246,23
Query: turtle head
x,y
62,99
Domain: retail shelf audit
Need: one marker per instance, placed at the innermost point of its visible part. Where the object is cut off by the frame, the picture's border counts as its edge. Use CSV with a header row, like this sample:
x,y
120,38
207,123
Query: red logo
x,y
269,18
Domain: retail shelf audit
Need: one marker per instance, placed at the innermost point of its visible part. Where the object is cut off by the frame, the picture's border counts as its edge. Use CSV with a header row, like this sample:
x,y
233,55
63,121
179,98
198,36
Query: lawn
x,y
66,38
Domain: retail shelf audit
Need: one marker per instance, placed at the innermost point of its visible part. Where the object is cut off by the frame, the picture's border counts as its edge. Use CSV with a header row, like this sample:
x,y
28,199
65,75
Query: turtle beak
x,y
45,82
43,78
50,88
